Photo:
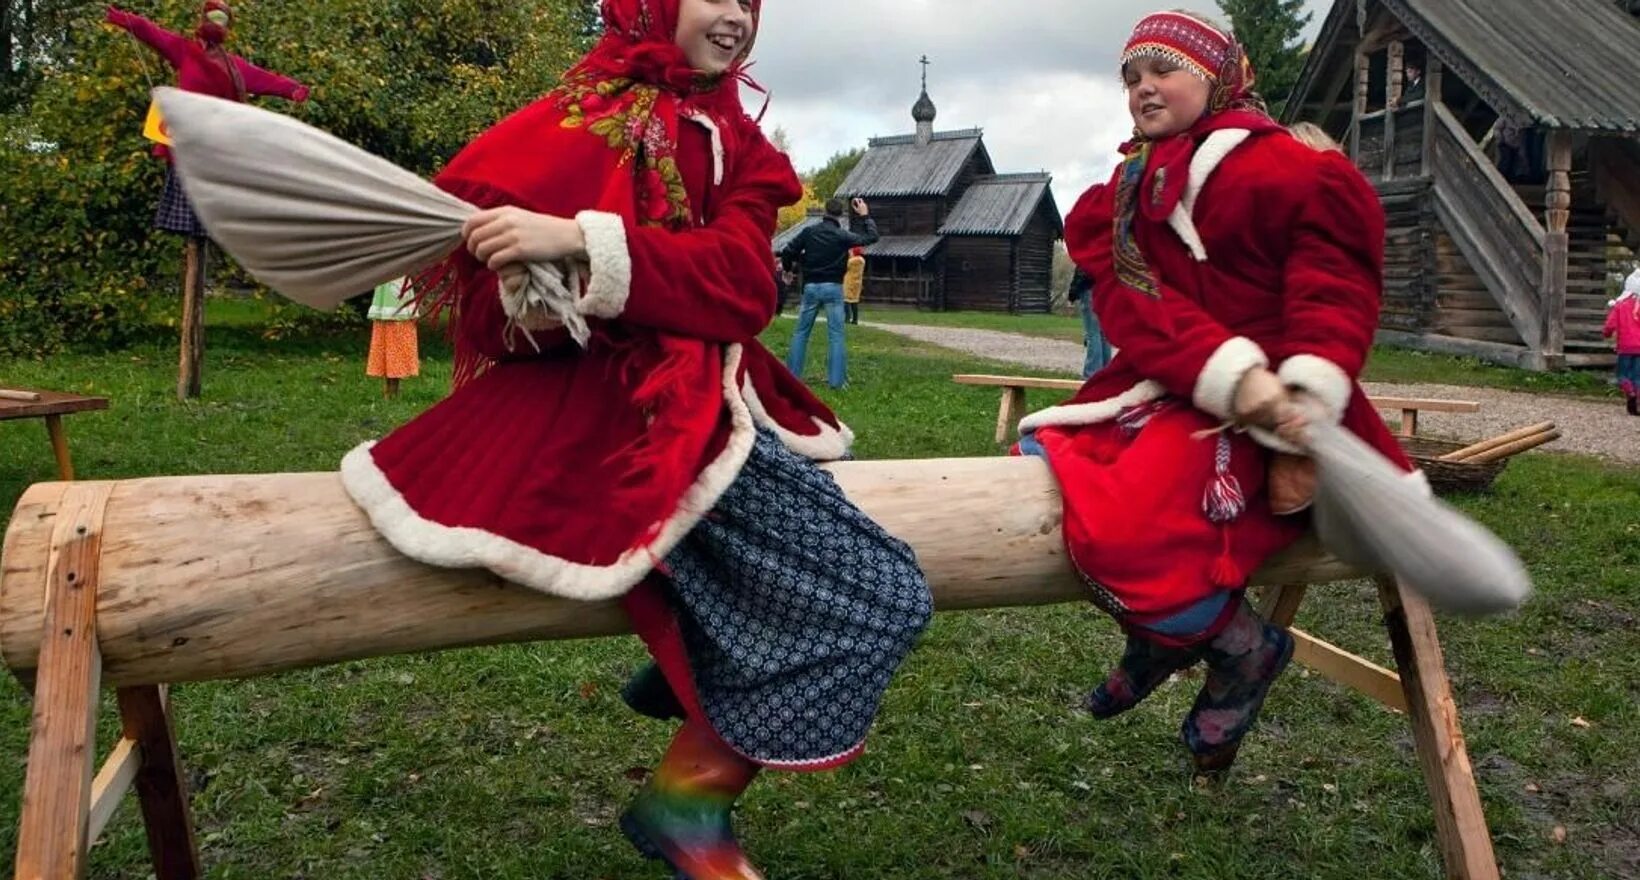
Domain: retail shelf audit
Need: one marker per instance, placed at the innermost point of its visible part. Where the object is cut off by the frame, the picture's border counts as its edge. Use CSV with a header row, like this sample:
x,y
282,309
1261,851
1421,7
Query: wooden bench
x,y
24,403
1013,388
103,587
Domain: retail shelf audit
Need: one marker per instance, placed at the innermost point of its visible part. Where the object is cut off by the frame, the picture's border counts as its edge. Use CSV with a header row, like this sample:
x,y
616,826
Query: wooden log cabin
x,y
1509,170
956,235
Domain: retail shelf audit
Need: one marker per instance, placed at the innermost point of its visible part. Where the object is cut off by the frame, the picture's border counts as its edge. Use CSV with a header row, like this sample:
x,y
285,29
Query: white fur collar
x,y
1208,156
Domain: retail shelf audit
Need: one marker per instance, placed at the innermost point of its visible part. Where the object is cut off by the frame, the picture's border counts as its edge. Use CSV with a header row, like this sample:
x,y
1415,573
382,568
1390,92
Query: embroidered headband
x,y
1182,39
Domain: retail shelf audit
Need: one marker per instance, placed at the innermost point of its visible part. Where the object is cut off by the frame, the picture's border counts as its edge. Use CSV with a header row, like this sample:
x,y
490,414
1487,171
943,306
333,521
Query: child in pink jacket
x,y
1623,323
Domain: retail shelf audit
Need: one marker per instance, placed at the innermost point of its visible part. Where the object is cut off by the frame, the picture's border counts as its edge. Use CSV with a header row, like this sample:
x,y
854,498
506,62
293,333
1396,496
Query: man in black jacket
x,y
822,250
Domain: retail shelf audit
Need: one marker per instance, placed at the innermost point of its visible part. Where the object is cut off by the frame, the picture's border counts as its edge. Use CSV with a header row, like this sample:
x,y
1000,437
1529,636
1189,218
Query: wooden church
x,y
1502,138
956,235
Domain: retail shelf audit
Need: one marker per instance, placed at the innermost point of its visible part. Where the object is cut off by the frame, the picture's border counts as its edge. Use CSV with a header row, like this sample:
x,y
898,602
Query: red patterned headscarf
x,y
1161,169
613,120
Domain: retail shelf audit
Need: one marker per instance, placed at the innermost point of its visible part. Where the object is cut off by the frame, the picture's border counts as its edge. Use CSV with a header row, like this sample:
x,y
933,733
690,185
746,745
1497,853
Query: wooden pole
x,y
293,548
1363,86
194,255
1556,247
1434,76
1526,444
1392,102
1472,450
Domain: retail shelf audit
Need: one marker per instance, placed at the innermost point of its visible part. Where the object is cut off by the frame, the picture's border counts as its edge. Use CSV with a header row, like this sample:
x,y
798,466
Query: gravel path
x,y
1592,427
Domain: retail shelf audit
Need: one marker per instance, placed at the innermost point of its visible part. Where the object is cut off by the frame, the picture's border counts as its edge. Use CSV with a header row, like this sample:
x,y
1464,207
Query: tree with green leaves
x,y
827,178
409,80
1269,29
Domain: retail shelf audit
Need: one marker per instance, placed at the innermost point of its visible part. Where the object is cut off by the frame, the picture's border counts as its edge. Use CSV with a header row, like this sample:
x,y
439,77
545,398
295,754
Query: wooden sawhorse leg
x,y
1423,691
145,719
1460,823
1280,606
65,806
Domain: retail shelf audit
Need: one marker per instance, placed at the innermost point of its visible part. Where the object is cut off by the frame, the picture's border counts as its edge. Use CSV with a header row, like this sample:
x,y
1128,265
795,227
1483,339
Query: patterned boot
x,y
682,815
1242,662
648,693
1143,668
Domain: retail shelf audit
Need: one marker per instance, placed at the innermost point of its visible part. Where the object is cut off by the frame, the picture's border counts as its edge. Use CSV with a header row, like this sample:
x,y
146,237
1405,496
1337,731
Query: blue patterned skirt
x,y
796,610
176,213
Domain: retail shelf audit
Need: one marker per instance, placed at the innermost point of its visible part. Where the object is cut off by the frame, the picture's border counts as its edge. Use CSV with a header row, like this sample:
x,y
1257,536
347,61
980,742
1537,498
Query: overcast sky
x,y
1039,77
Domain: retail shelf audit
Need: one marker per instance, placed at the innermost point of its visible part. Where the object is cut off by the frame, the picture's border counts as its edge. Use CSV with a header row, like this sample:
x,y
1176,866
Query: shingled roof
x,y
1002,204
915,246
785,236
1569,64
898,166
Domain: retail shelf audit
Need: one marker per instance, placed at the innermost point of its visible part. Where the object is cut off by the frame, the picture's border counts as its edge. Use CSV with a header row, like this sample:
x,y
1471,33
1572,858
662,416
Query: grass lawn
x,y
514,762
1395,365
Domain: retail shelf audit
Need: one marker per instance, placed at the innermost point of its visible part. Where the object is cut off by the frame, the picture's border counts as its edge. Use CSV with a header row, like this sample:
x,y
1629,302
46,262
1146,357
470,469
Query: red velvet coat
x,y
1276,259
527,469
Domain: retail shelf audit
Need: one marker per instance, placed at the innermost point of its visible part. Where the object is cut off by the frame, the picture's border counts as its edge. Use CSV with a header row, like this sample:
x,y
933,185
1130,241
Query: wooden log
x,y
1516,448
24,396
290,573
1500,440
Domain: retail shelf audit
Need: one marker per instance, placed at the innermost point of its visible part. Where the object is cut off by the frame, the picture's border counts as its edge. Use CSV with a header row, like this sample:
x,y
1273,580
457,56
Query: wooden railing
x,y
1501,239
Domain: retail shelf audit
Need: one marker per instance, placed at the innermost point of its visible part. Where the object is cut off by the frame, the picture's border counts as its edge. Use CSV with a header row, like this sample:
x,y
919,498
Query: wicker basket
x,y
1447,477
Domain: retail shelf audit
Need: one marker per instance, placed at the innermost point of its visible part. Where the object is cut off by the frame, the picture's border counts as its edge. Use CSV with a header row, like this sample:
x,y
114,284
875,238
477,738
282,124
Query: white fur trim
x,y
830,444
609,282
1215,392
1322,378
1208,156
706,122
1094,412
463,547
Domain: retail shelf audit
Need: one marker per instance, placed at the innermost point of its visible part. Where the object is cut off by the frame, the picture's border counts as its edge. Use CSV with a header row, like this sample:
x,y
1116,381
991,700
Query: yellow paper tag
x,y
154,129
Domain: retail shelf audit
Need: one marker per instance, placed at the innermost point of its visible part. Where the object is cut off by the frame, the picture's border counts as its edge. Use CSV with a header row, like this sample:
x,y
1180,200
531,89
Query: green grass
x,y
1394,365
513,762
1401,366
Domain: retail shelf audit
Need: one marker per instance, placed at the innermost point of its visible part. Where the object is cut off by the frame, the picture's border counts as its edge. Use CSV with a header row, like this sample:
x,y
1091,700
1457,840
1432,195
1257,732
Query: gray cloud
x,y
1038,77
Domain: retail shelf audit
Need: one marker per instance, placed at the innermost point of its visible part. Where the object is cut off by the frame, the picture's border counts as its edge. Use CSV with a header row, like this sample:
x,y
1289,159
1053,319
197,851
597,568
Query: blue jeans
x,y
815,296
1093,338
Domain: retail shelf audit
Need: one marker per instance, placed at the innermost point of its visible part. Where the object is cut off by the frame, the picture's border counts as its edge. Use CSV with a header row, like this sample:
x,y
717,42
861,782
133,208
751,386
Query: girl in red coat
x,y
1238,272
668,461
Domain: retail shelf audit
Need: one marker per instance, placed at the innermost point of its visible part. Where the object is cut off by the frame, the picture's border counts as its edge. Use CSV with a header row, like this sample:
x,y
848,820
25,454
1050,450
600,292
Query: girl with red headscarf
x,y
205,67
668,458
1238,272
